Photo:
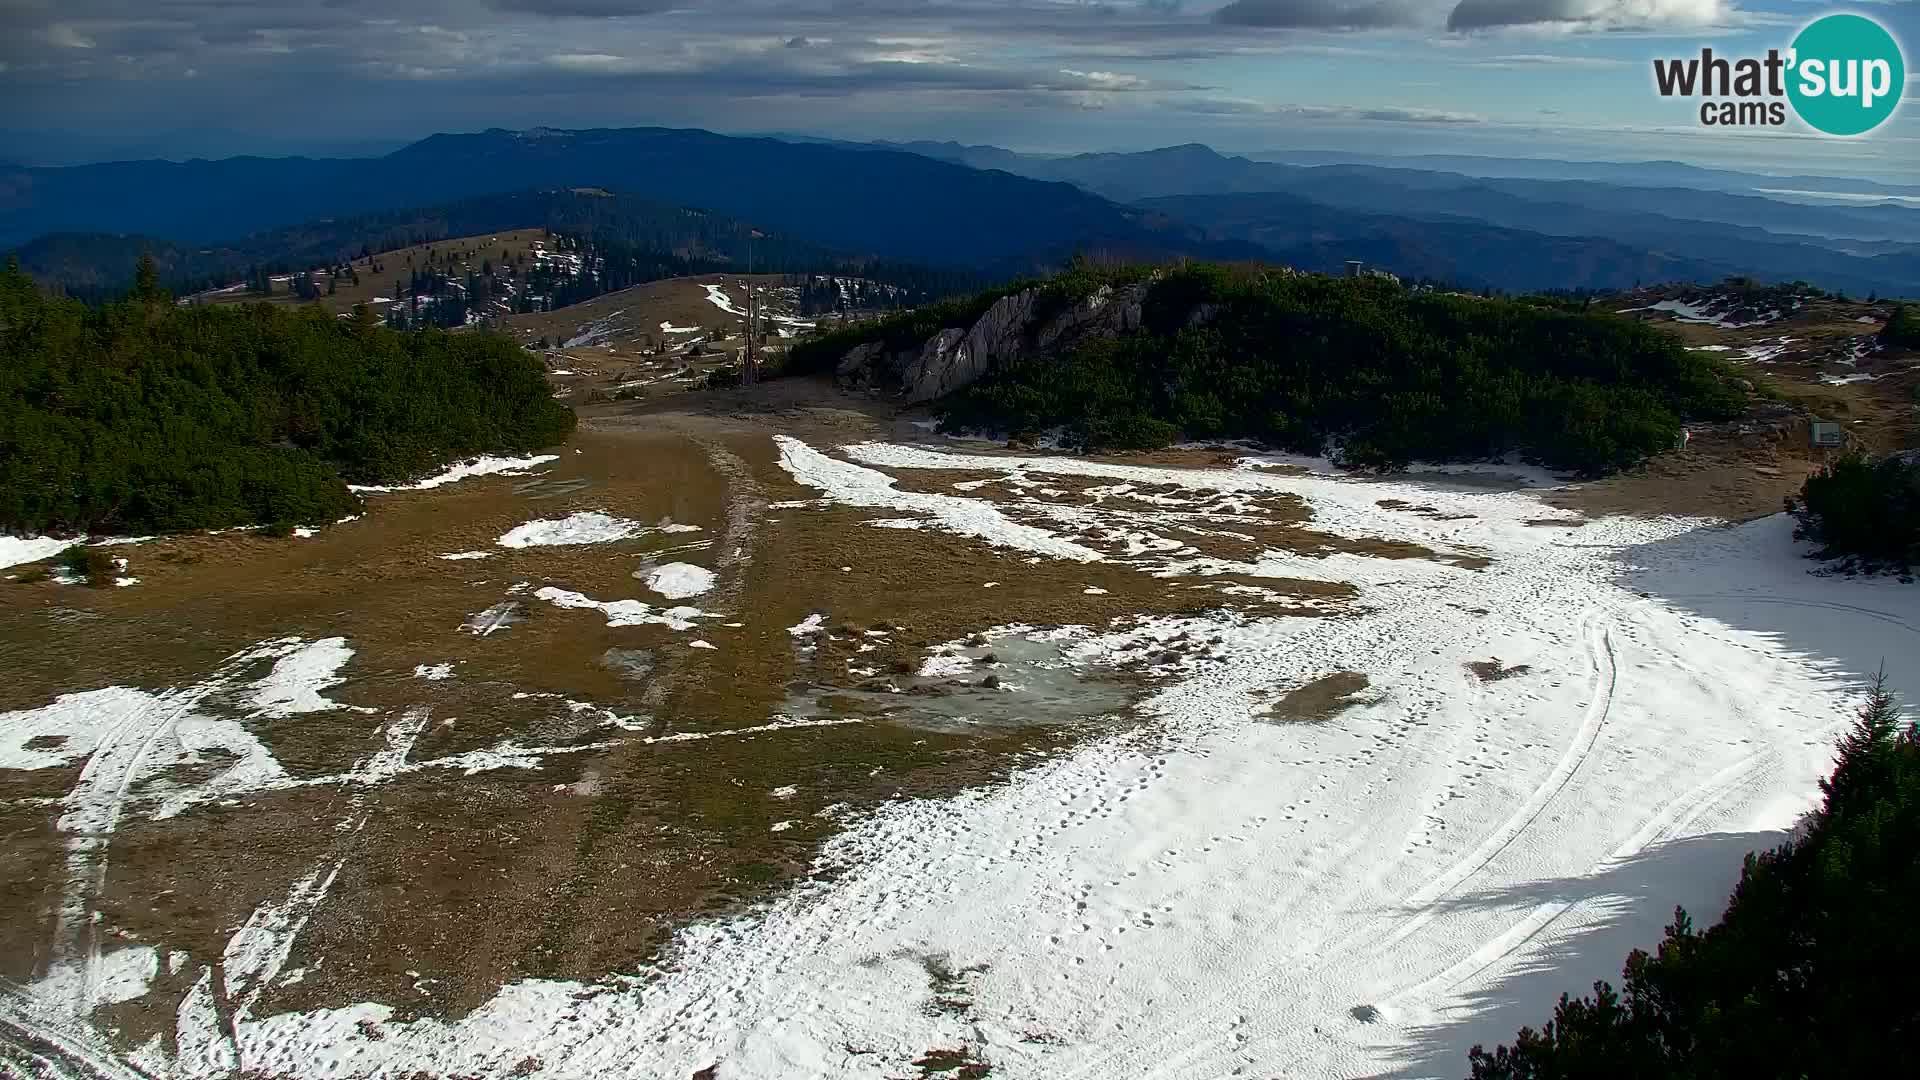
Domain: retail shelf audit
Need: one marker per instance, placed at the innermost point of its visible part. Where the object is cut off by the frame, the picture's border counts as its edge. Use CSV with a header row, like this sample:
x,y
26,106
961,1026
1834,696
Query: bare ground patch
x,y
1489,671
1320,700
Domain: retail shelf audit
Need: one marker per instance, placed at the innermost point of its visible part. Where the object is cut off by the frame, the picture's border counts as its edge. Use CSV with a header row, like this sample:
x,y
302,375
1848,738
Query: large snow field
x,y
1220,893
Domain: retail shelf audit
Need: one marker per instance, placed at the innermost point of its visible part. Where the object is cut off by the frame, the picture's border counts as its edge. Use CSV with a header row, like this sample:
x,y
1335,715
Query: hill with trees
x,y
141,415
636,240
1366,369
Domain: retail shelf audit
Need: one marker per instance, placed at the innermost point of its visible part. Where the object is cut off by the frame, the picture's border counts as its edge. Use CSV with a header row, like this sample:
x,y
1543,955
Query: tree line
x,y
1863,511
142,415
1810,973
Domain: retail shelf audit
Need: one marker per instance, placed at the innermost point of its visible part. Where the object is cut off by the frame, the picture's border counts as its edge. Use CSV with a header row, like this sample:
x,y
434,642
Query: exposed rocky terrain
x,y
1016,328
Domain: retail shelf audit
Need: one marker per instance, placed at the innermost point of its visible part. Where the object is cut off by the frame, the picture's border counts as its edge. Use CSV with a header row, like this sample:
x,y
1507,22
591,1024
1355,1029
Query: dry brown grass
x,y
587,864
1320,700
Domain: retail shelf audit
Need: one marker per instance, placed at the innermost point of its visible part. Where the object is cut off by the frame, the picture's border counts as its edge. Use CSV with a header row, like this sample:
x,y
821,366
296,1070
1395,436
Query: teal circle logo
x,y
1846,74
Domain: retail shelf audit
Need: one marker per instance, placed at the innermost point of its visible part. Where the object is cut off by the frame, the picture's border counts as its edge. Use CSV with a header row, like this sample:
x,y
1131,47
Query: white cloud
x,y
1391,113
65,36
1536,60
1589,14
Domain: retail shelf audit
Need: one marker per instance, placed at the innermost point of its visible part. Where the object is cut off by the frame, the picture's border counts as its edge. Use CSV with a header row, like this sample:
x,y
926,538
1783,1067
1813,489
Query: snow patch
x,y
625,612
583,527
678,580
480,466
297,678
854,485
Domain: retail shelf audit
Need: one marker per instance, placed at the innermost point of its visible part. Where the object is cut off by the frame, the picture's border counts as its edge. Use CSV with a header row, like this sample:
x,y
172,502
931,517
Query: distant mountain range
x,y
1630,233
890,204
1570,224
1624,173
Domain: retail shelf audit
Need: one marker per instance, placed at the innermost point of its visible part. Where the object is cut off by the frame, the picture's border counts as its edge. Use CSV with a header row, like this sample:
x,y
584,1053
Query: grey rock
x,y
944,364
1009,332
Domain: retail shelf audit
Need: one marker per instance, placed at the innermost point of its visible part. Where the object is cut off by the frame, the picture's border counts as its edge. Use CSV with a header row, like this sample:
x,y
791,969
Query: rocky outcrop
x,y
1012,331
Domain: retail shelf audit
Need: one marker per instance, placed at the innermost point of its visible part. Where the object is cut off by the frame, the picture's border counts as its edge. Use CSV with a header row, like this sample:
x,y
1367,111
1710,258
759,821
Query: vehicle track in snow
x,y
1605,678
94,808
1186,1040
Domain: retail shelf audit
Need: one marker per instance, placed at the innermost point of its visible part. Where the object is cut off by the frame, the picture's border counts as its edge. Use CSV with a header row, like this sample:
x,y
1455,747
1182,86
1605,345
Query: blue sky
x,y
1561,78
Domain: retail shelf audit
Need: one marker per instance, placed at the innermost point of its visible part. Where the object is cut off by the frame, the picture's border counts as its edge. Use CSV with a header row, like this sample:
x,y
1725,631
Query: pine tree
x,y
146,282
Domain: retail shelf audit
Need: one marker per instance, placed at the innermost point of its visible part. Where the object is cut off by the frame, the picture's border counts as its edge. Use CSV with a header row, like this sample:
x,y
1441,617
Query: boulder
x,y
944,364
856,368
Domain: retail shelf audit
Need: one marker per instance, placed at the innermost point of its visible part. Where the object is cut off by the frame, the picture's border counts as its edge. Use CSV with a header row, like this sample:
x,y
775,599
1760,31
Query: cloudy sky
x,y
1564,78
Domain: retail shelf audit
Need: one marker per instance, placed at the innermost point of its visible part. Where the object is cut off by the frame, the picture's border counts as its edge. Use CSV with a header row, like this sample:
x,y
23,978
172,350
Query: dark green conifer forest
x,y
139,415
1811,972
1366,368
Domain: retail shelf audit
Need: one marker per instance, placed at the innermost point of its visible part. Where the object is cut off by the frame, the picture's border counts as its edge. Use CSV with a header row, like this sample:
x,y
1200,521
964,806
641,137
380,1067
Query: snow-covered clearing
x,y
481,466
1220,893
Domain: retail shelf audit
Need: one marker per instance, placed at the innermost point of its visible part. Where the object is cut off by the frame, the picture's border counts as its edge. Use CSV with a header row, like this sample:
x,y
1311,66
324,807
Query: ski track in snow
x,y
1215,894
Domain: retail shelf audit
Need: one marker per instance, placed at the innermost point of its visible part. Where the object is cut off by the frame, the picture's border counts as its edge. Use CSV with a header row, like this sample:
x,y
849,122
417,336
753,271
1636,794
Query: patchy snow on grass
x,y
718,297
67,730
699,644
808,626
625,612
583,527
1229,891
480,466
944,665
434,672
853,485
1710,312
493,619
300,674
678,580
459,556
1224,896
121,975
667,327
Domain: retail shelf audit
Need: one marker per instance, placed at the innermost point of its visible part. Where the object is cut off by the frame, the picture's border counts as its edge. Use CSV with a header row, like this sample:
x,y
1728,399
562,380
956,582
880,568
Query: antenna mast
x,y
748,372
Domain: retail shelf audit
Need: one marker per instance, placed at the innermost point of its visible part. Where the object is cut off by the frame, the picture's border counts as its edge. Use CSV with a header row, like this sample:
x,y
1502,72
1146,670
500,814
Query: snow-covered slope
x,y
1225,894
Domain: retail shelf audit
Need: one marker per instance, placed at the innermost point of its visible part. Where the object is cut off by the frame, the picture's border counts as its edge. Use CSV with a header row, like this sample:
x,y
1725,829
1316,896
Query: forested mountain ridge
x,y
668,240
1566,233
881,203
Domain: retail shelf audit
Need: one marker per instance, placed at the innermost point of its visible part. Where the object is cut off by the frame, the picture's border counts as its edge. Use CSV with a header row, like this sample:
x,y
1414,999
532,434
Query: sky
x,y
91,79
